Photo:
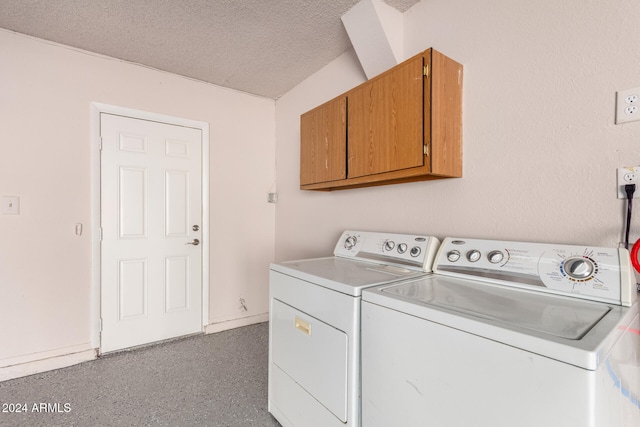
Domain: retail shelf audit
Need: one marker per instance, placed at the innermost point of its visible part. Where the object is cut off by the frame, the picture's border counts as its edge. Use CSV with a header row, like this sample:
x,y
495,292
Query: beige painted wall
x,y
45,269
540,144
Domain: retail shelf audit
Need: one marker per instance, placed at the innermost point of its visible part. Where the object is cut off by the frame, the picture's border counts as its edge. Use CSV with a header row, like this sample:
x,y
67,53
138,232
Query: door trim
x,y
97,109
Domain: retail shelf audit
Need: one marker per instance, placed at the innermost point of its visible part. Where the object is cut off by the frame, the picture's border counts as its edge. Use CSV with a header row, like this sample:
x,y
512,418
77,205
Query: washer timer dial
x,y
579,269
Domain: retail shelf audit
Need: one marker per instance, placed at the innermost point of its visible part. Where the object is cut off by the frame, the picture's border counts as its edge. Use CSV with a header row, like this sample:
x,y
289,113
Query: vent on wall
x,y
375,31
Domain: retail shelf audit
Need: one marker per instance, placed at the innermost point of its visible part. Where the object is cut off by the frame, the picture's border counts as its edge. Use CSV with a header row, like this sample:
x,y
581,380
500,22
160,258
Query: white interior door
x,y
151,219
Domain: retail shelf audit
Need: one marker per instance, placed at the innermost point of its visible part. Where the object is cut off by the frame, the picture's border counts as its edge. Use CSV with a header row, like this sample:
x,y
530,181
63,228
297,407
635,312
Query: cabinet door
x,y
385,131
323,133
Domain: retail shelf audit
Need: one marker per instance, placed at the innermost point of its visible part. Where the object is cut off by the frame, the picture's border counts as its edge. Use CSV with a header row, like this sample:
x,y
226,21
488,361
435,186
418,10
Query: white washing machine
x,y
505,334
314,329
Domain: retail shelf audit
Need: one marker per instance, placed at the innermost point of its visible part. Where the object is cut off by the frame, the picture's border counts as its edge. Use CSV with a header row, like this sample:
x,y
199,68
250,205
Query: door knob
x,y
195,242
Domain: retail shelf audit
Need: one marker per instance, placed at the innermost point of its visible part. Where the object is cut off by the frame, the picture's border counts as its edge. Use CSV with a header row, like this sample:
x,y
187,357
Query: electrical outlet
x,y
628,105
628,175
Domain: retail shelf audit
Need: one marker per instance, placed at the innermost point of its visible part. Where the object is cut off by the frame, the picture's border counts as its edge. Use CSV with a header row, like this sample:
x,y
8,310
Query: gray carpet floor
x,y
207,380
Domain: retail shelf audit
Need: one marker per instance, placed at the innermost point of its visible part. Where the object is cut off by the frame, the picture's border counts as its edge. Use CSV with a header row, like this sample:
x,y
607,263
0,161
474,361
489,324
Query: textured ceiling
x,y
263,47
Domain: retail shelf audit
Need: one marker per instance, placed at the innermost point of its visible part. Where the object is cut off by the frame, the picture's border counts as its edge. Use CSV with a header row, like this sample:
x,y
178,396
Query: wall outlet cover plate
x,y
628,105
628,175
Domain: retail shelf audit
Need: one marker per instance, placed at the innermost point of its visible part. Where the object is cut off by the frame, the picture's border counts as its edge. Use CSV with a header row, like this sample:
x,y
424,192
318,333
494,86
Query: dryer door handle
x,y
302,326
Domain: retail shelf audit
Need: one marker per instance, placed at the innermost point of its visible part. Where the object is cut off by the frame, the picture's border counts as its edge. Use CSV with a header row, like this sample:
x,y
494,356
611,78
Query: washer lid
x,y
561,317
345,275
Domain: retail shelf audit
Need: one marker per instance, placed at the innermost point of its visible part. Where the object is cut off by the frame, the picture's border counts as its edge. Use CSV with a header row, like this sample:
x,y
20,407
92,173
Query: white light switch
x,y
10,205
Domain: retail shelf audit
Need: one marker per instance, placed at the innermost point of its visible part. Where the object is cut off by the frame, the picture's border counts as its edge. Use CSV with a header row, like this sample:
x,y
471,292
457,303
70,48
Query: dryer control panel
x,y
405,250
594,273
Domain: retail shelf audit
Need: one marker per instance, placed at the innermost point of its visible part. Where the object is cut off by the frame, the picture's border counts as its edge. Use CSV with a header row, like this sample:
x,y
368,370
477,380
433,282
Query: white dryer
x,y
314,329
505,334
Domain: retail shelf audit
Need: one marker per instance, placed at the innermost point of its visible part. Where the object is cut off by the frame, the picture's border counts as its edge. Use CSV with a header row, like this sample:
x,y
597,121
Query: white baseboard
x,y
46,361
236,323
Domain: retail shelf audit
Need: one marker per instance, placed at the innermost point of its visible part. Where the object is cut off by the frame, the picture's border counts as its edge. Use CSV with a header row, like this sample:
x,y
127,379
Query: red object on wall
x,y
634,256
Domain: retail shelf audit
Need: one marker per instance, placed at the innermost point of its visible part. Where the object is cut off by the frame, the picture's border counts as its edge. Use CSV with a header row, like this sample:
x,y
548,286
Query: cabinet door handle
x,y
303,326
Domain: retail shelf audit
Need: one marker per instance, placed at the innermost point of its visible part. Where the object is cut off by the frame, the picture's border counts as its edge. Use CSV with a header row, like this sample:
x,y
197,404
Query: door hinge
x,y
426,149
101,324
100,234
425,71
100,144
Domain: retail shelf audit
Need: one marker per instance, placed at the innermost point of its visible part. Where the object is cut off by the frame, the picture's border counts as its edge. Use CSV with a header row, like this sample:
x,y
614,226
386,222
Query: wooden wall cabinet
x,y
403,125
323,155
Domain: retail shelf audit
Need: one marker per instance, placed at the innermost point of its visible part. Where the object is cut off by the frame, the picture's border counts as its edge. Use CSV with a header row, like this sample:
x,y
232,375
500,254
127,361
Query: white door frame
x,y
96,110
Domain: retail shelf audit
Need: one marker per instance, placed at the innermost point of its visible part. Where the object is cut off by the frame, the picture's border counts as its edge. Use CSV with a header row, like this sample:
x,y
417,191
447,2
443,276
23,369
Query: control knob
x,y
495,257
473,255
389,245
402,248
579,268
453,256
415,251
350,242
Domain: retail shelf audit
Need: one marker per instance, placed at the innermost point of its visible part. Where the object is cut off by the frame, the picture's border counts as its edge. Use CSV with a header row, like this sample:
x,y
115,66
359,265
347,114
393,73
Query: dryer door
x,y
313,353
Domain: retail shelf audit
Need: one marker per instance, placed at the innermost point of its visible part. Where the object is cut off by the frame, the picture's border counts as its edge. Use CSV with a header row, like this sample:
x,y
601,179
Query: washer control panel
x,y
599,274
407,250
